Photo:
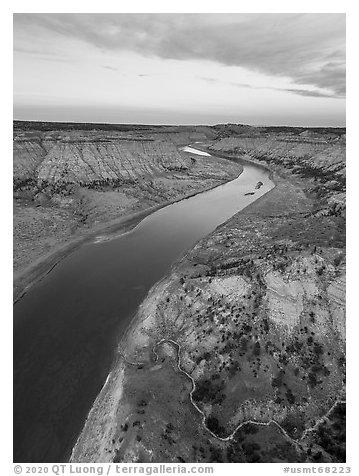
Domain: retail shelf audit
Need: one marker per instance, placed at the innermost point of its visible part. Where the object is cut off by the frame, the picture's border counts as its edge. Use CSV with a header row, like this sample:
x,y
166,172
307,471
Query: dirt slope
x,y
70,180
257,310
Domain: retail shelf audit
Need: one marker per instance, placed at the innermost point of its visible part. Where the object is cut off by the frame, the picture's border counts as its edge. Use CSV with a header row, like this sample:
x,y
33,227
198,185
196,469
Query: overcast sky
x,y
180,68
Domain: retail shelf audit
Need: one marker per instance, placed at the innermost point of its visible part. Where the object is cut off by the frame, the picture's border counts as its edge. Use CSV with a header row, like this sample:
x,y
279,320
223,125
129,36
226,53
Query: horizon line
x,y
177,125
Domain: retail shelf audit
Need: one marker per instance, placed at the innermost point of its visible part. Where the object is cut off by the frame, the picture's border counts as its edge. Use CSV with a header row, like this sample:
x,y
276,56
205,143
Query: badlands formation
x,y
73,179
238,354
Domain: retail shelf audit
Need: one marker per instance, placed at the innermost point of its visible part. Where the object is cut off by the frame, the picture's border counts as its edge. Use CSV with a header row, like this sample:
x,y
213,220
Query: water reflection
x,y
66,328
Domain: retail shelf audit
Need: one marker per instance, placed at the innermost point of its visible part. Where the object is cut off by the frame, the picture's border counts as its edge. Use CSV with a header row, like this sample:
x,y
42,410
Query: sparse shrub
x,y
338,260
214,426
320,271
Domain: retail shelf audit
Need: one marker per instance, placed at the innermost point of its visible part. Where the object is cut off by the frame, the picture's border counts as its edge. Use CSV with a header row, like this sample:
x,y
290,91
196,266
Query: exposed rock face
x,y
316,155
75,177
28,155
257,309
92,159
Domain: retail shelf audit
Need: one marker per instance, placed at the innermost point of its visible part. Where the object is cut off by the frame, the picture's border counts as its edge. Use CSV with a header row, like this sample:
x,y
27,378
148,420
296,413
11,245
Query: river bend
x,y
67,326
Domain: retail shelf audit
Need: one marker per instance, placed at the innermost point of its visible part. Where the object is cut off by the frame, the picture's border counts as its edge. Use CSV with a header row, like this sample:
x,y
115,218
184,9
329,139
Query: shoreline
x,y
91,431
237,159
24,279
114,379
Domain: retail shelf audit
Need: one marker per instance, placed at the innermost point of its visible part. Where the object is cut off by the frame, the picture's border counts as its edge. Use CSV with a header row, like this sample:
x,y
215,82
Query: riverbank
x,y
27,277
228,304
103,284
133,348
250,305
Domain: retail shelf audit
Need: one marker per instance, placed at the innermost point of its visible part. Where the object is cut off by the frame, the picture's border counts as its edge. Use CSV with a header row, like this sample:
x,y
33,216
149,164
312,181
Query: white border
x,y
184,6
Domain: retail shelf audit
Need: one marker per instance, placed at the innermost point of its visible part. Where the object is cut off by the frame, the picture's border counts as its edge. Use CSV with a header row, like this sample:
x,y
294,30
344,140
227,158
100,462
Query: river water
x,y
67,326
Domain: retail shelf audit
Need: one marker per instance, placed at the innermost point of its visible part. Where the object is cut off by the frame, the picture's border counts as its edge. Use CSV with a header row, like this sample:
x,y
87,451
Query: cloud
x,y
330,76
312,93
210,80
42,53
301,92
111,68
307,48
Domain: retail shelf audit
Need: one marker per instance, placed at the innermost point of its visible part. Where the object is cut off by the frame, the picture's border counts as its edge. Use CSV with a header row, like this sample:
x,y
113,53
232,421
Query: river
x,y
67,326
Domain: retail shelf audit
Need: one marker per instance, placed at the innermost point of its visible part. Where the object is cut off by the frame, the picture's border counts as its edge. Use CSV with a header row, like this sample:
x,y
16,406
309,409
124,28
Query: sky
x,y
260,69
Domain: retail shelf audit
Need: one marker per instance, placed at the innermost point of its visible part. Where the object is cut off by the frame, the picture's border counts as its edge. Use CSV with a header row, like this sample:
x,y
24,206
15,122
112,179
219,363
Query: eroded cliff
x,y
70,179
238,355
